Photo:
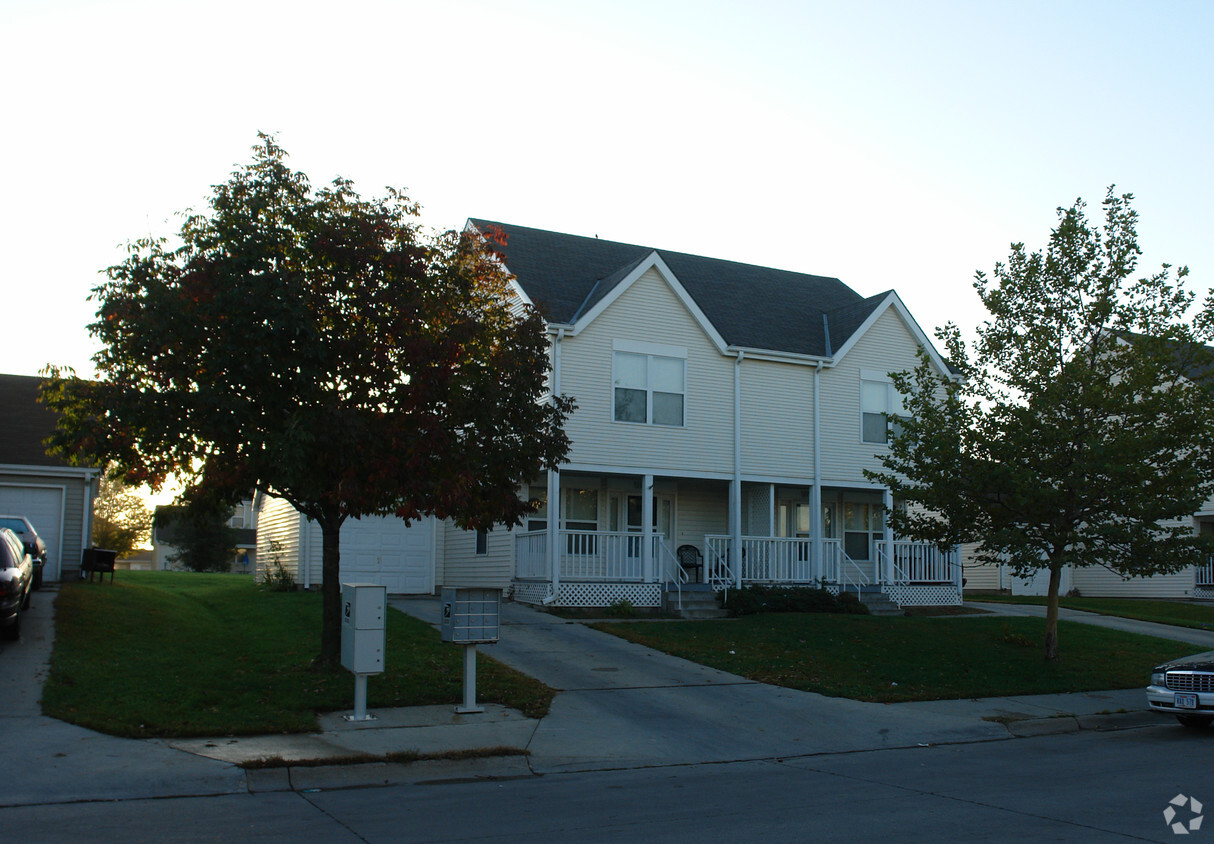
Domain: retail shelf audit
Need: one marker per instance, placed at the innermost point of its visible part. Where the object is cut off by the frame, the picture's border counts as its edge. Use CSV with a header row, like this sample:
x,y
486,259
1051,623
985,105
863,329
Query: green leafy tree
x,y
1080,434
121,519
319,347
199,531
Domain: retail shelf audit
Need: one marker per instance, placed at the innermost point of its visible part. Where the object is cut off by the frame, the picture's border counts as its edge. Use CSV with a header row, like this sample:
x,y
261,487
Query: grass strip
x,y
1178,613
160,654
901,659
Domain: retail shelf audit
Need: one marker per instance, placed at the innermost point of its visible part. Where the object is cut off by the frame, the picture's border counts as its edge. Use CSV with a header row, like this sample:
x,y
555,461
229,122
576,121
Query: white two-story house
x,y
725,414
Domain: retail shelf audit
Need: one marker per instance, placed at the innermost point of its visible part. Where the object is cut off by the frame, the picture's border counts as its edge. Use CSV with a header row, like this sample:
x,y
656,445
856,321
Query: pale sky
x,y
893,145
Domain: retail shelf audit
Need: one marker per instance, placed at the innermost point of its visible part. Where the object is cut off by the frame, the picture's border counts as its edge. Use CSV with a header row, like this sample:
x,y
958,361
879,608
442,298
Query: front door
x,y
627,517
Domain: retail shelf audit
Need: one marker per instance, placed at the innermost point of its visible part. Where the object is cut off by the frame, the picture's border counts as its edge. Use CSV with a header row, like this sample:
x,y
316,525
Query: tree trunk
x,y
330,624
1051,612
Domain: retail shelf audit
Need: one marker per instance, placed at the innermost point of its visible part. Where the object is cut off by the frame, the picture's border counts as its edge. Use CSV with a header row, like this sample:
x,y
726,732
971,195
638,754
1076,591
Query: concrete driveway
x,y
624,705
59,762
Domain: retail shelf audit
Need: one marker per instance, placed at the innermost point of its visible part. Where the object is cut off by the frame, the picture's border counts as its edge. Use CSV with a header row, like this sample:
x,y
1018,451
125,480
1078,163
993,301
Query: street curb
x,y
371,774
1076,723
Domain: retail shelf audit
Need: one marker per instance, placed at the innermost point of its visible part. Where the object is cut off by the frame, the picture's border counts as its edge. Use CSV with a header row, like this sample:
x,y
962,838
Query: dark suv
x,y
33,543
16,582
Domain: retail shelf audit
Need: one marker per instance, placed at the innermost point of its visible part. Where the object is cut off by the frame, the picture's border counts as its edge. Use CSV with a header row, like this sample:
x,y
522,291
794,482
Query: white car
x,y
1185,688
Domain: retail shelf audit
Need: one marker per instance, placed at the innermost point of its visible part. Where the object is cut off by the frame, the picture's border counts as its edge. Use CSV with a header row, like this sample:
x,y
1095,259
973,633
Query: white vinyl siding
x,y
777,419
278,536
462,566
648,312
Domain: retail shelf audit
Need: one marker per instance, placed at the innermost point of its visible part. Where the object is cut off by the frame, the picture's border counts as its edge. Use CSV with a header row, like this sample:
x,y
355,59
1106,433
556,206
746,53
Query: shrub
x,y
757,599
622,608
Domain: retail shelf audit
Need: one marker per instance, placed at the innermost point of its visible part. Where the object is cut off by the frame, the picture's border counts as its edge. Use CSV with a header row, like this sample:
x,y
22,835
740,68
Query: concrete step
x,y
879,603
697,603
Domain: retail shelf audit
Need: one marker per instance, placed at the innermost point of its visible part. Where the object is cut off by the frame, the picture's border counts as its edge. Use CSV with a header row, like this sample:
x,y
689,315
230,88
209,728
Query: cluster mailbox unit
x,y
470,616
363,638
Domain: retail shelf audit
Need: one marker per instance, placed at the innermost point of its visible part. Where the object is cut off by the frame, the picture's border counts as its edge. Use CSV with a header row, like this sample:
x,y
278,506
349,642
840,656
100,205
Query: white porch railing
x,y
589,555
615,557
531,555
921,562
768,559
1205,574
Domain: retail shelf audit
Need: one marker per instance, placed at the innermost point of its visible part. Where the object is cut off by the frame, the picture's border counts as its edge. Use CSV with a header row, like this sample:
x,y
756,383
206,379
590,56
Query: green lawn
x,y
183,654
897,659
1180,613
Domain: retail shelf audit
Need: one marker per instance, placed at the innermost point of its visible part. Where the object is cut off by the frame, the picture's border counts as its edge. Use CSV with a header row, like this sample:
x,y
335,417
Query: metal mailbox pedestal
x,y
363,623
470,616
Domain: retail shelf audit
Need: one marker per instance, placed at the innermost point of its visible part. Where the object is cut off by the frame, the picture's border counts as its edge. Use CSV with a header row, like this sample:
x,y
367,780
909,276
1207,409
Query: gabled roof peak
x,y
750,306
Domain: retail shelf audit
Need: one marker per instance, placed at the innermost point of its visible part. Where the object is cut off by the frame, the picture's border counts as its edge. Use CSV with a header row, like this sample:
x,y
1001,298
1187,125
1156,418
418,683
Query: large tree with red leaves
x,y
319,347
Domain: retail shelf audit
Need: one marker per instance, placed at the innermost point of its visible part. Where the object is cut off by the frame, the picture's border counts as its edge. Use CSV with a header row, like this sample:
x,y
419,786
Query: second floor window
x,y
648,388
879,400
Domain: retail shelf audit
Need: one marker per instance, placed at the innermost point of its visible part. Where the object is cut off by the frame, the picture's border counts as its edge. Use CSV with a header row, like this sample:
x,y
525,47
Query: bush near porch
x,y
890,659
759,599
189,654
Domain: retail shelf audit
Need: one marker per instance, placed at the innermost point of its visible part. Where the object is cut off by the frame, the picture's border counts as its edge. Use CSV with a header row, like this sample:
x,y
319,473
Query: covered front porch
x,y
611,543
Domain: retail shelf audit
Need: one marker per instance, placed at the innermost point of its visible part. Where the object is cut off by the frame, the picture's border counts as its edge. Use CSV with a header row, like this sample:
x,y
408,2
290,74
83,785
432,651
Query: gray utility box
x,y
471,616
363,614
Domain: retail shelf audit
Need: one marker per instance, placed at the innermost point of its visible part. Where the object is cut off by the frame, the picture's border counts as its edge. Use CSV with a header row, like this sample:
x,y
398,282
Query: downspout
x,y
554,490
815,498
735,503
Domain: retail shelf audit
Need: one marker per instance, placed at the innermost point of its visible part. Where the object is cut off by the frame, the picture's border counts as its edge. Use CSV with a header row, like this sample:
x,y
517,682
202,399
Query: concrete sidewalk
x,y
619,705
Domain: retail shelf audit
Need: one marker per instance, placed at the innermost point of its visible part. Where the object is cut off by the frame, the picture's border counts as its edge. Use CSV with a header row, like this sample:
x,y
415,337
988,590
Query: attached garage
x,y
55,497
388,553
43,506
380,550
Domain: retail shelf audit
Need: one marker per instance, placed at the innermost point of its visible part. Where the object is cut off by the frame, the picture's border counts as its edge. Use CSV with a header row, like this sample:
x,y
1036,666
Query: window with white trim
x,y
879,401
648,389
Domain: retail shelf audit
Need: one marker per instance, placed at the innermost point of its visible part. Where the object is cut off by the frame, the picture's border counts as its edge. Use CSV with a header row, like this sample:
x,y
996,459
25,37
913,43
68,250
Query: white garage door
x,y
43,506
386,552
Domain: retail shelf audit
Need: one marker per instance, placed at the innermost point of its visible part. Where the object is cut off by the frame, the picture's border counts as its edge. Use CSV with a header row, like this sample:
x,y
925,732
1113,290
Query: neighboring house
x,y
165,534
722,406
1098,582
56,497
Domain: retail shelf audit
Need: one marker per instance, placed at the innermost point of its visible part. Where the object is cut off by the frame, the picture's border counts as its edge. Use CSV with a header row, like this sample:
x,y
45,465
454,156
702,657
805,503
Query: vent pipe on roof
x,y
826,335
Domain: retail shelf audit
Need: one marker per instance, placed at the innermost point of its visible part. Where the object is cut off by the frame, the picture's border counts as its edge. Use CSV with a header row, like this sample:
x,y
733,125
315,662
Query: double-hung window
x,y
649,383
880,403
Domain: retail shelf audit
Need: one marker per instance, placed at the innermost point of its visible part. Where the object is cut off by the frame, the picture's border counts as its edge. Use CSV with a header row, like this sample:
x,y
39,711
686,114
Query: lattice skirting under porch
x,y
924,596
591,594
1206,592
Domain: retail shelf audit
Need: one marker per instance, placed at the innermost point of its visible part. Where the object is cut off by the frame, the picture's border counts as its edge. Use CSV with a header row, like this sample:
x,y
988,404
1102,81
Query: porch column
x,y
887,501
771,509
647,529
554,530
815,530
735,486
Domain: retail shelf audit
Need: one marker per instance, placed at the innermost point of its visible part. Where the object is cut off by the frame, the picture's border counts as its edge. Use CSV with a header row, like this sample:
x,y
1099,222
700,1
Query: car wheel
x,y
25,605
1195,722
38,578
13,632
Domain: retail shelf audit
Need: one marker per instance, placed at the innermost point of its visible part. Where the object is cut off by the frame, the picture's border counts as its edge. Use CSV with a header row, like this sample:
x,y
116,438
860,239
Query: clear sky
x,y
891,144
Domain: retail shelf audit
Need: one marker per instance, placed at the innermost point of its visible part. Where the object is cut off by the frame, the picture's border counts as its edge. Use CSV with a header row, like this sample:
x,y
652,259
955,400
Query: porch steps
x,y
878,602
699,602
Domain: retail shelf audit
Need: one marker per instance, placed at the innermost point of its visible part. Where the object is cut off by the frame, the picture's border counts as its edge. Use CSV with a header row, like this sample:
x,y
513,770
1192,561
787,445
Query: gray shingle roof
x,y
24,423
752,307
